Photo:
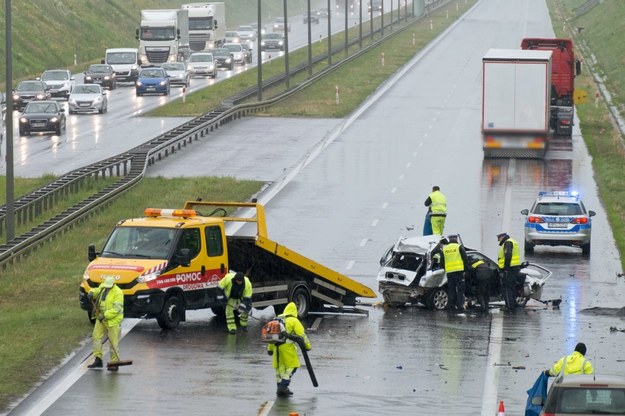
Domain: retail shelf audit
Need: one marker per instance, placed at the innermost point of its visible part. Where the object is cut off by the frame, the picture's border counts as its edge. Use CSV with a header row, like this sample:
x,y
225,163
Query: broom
x,y
110,364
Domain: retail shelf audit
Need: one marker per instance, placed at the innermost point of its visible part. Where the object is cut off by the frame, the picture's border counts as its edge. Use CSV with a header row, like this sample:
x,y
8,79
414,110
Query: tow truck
x,y
170,261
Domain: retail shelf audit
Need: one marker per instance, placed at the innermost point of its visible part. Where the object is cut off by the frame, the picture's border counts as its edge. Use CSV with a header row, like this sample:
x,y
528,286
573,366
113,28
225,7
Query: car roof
x,y
558,196
589,380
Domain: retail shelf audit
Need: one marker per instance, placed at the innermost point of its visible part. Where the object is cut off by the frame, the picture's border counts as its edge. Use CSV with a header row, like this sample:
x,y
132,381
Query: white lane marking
x,y
385,205
350,265
393,190
491,378
401,177
265,408
507,200
375,222
363,242
408,164
62,386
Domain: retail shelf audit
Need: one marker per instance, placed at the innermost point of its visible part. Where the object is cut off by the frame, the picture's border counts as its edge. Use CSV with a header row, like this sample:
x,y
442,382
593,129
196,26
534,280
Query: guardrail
x,y
131,165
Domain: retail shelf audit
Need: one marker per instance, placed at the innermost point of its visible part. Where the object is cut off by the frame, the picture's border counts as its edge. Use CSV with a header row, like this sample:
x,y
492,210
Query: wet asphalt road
x,y
347,204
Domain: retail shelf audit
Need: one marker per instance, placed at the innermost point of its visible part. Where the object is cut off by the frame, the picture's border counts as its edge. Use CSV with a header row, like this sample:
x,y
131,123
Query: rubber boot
x,y
284,391
96,364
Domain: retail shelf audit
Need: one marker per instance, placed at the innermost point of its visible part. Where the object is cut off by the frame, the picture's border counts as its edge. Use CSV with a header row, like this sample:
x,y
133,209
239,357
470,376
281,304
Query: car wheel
x,y
231,67
23,132
529,247
71,112
59,129
586,249
101,110
522,301
138,94
438,299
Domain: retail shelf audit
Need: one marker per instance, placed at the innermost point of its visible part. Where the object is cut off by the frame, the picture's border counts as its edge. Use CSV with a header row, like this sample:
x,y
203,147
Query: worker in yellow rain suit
x,y
437,203
575,363
285,358
109,313
237,290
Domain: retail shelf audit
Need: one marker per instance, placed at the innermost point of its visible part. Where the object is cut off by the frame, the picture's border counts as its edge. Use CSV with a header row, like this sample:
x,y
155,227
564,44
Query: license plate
x,y
151,89
39,124
557,225
84,104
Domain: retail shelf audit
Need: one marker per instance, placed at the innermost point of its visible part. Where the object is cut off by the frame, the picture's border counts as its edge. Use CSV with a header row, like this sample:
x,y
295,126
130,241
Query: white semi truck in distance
x,y
163,36
207,25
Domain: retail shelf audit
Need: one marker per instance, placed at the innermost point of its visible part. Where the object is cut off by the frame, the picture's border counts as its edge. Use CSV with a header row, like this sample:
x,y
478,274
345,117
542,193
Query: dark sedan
x,y
102,74
42,116
223,59
271,41
27,91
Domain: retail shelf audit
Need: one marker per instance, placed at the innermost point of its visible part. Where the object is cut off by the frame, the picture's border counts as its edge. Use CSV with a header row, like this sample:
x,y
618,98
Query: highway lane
x,y
92,137
361,188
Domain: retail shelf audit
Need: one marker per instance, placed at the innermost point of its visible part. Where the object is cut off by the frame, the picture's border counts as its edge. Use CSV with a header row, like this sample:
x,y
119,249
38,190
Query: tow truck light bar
x,y
181,213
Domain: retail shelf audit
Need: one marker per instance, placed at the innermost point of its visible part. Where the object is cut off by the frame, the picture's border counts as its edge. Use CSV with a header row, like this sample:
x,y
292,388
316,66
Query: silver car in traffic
x,y
88,98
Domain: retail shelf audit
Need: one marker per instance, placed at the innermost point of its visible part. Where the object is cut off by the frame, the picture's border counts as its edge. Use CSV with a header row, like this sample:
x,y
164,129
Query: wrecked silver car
x,y
409,274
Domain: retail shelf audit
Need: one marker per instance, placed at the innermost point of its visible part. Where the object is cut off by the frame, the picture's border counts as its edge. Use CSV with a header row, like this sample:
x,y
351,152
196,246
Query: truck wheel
x,y
438,299
219,312
301,297
170,316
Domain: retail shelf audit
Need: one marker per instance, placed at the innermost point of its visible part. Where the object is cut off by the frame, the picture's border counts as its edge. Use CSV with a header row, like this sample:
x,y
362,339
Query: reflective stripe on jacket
x,y
574,364
226,284
112,306
516,255
453,259
439,203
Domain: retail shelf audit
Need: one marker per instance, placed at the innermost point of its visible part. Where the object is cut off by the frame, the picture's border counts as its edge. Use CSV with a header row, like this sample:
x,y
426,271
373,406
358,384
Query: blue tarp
x,y
427,225
538,389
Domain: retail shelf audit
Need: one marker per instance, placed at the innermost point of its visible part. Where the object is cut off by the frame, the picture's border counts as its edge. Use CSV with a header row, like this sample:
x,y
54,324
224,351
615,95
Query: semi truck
x,y
207,25
564,69
516,97
125,63
170,261
163,36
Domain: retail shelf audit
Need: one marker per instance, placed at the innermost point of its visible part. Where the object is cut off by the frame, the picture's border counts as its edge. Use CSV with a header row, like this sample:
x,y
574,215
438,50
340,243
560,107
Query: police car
x,y
558,218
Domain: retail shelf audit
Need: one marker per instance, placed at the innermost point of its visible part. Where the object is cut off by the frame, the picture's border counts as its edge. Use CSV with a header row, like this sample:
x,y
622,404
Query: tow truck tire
x,y
170,316
220,312
529,247
301,297
586,249
438,299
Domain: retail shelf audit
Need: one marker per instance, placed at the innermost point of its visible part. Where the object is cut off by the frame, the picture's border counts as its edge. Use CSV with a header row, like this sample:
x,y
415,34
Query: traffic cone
x,y
502,410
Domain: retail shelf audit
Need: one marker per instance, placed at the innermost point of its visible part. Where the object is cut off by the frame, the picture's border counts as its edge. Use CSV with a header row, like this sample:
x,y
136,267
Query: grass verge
x,y
602,138
40,318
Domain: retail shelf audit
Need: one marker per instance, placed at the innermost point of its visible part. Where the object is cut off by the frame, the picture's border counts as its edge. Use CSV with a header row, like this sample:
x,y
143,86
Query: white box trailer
x,y
516,97
207,25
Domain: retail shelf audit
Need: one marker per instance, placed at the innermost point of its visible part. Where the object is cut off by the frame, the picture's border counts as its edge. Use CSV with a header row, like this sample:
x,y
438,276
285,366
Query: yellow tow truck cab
x,y
170,261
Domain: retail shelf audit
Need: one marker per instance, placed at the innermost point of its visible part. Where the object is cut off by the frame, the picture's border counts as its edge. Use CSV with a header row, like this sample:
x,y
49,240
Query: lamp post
x,y
286,48
259,54
309,39
10,210
330,12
